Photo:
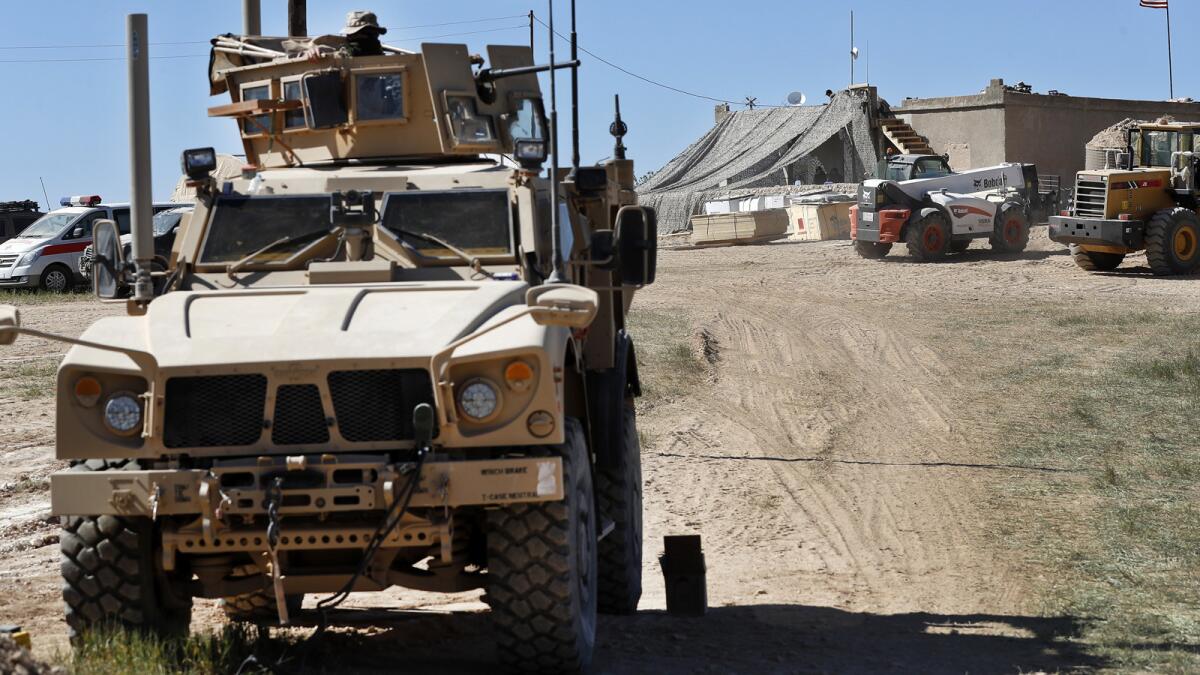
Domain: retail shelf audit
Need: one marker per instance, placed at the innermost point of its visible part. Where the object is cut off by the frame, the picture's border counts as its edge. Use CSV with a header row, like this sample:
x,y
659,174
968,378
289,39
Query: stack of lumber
x,y
723,229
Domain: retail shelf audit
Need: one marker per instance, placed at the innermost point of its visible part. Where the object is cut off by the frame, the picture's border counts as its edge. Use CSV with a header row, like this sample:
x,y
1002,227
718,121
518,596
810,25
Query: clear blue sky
x,y
66,121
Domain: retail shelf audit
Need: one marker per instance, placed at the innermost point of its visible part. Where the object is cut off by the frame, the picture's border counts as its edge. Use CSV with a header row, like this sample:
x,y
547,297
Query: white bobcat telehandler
x,y
934,210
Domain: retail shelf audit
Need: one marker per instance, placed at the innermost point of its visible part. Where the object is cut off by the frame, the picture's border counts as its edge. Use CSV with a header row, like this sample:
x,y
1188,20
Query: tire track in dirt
x,y
807,391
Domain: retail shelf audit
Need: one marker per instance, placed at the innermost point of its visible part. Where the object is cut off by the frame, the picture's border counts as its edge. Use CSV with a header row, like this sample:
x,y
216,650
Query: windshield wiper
x,y
233,268
472,261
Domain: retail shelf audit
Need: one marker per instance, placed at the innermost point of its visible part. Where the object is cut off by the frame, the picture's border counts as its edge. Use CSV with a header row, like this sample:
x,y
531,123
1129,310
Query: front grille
x,y
299,416
1090,197
8,260
214,411
377,405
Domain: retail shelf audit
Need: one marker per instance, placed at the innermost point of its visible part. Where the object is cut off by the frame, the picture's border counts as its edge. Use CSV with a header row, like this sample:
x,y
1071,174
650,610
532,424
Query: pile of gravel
x,y
17,660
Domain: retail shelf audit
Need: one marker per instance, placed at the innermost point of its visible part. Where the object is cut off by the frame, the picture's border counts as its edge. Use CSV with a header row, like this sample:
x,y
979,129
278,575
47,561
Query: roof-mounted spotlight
x,y
199,162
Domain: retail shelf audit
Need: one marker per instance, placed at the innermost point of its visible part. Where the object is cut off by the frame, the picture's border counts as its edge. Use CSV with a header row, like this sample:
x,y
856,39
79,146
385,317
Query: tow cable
x,y
423,421
274,499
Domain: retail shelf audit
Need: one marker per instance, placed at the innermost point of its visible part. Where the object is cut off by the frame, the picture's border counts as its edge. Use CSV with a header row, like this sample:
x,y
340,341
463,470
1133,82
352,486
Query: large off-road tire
x,y
1173,241
110,574
959,245
1011,234
542,571
1095,261
928,238
258,607
619,495
56,279
871,250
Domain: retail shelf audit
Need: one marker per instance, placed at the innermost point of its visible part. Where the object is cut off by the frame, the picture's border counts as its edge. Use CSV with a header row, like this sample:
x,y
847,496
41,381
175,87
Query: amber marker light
x,y
87,391
518,376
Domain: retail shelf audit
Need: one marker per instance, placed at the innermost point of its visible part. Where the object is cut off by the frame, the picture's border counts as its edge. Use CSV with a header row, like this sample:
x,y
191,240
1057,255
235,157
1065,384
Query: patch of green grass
x,y
669,364
1127,559
117,652
1102,319
21,297
32,379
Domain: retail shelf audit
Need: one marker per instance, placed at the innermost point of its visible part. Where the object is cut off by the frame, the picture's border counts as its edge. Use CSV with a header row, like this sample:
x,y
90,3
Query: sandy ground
x,y
839,463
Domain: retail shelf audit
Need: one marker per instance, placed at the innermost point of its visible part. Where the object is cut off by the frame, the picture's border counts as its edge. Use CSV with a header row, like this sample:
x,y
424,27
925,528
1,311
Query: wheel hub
x,y
1185,243
1012,231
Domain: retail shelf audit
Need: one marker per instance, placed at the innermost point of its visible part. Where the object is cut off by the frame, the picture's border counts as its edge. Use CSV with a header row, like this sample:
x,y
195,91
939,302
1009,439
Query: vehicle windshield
x,y
1157,147
897,172
475,220
165,221
48,226
930,168
242,225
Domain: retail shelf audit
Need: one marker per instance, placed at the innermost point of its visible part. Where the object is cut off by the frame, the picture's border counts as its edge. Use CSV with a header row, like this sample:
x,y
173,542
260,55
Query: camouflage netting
x,y
758,149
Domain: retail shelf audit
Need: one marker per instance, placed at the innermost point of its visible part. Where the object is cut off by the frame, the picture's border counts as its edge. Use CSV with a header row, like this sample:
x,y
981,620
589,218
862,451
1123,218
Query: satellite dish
x,y
796,98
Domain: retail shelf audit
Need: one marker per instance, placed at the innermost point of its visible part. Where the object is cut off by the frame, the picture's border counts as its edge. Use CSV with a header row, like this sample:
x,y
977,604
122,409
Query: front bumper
x,y
18,277
1096,232
881,226
312,486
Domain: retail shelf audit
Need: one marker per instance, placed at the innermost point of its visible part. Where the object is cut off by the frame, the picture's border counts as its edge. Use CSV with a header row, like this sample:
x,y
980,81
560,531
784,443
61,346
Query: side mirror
x,y
603,254
564,305
637,245
325,100
108,260
10,317
76,232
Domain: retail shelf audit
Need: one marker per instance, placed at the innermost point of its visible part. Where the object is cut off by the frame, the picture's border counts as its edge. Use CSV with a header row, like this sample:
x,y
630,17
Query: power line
x,y
473,32
204,42
152,44
456,23
188,56
114,58
648,80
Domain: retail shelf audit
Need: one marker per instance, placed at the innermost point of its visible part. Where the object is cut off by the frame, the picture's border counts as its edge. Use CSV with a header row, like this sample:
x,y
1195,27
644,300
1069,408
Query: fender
x,y
921,213
607,391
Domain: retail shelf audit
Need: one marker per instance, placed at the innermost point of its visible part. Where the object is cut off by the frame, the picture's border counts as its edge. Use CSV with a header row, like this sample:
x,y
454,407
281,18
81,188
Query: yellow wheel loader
x,y
1149,203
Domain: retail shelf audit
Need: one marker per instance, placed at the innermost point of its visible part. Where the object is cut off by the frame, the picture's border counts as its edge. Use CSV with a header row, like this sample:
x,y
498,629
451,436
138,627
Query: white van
x,y
46,254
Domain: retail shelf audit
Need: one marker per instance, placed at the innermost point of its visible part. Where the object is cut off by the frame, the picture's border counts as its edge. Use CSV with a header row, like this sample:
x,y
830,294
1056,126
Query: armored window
x,y
379,97
479,221
258,124
466,124
292,119
283,225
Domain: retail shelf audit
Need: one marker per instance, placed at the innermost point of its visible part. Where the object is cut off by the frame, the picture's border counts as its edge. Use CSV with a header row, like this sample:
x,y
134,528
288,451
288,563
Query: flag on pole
x,y
1153,4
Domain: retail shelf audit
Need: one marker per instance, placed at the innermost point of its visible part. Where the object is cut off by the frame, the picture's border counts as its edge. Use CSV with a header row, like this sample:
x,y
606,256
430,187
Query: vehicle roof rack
x,y
26,205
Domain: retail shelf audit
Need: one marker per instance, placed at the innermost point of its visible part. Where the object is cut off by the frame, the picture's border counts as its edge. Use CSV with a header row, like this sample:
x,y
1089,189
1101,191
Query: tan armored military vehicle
x,y
362,371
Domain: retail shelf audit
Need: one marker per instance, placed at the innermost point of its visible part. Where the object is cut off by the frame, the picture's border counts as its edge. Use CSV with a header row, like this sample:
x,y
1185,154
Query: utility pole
x,y
137,43
251,17
851,47
531,30
1170,58
297,18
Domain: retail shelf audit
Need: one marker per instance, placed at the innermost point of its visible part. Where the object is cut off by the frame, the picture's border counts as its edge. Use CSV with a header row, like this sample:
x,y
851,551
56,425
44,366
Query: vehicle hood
x,y
21,244
295,324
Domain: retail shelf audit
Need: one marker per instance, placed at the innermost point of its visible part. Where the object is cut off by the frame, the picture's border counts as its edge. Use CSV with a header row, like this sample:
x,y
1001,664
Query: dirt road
x,y
839,455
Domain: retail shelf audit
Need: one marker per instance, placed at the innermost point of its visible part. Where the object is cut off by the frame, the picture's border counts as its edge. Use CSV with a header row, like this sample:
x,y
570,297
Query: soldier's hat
x,y
359,20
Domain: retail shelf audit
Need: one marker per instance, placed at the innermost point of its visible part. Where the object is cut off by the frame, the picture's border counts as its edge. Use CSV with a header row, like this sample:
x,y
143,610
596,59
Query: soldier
x,y
362,33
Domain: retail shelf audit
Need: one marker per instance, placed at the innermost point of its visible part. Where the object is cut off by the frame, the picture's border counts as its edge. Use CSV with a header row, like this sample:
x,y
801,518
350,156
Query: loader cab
x,y
1155,145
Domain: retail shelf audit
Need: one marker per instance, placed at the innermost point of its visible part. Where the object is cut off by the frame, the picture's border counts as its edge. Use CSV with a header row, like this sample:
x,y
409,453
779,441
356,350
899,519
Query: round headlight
x,y
123,414
479,400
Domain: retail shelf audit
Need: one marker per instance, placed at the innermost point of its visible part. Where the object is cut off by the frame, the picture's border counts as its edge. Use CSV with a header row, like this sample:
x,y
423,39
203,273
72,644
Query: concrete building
x,y
1002,124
